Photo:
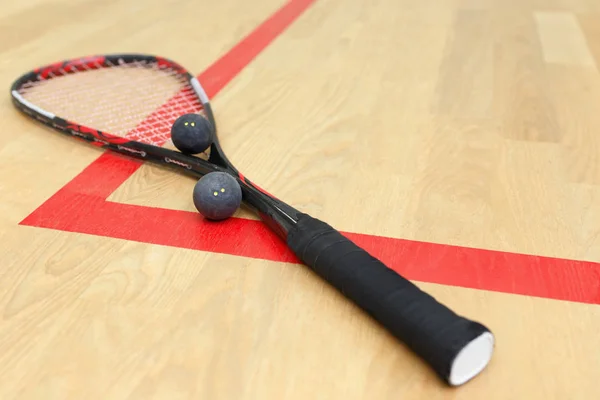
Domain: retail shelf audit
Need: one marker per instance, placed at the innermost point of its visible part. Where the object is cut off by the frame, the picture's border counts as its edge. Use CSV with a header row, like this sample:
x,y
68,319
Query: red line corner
x,y
546,277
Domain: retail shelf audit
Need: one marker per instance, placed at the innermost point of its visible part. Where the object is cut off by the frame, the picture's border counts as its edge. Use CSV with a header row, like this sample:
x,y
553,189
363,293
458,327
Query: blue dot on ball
x,y
192,133
217,196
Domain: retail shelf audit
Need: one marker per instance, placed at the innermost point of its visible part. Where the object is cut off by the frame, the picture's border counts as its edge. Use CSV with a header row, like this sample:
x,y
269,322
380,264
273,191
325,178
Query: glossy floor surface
x,y
457,140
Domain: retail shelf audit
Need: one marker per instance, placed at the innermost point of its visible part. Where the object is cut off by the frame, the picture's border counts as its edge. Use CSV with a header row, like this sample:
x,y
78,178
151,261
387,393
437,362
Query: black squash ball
x,y
192,133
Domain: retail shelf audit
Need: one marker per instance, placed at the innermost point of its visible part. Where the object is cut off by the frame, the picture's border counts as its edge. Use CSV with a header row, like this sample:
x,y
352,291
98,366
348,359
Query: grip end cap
x,y
472,359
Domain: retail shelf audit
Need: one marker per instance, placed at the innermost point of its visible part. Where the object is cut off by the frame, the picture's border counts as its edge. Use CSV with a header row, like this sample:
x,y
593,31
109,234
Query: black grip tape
x,y
429,328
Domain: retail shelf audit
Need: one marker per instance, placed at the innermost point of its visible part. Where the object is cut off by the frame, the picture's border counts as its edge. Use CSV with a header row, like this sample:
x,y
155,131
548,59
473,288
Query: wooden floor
x,y
463,133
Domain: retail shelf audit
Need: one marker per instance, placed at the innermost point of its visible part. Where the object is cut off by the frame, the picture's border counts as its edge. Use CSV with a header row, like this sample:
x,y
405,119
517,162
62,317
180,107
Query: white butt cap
x,y
472,359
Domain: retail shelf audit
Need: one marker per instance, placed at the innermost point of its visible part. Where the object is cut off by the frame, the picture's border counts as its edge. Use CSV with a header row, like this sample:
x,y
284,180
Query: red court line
x,y
227,67
553,278
428,262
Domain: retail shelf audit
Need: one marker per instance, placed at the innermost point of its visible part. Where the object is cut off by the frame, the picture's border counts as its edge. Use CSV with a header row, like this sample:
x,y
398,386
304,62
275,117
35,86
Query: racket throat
x,y
217,157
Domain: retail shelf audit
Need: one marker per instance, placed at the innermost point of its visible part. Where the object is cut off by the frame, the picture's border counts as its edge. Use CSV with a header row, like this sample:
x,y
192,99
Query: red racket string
x,y
138,100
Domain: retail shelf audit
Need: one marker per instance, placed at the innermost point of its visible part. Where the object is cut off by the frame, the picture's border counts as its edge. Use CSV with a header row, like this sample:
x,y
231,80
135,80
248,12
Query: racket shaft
x,y
429,328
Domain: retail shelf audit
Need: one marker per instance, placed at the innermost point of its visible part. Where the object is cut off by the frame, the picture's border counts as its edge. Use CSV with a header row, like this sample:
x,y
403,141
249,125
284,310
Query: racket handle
x,y
455,347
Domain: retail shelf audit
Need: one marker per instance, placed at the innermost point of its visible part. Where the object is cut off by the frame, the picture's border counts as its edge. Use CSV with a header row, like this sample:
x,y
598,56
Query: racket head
x,y
112,99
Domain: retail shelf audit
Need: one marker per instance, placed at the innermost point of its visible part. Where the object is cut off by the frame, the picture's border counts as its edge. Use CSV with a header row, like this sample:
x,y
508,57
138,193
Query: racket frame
x,y
358,275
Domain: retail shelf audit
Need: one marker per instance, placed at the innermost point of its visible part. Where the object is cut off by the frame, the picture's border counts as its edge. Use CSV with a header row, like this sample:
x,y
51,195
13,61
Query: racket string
x,y
138,100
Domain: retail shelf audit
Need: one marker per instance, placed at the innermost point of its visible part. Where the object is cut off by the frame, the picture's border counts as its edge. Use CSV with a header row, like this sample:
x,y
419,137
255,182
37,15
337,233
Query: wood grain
x,y
467,72
590,25
463,123
562,40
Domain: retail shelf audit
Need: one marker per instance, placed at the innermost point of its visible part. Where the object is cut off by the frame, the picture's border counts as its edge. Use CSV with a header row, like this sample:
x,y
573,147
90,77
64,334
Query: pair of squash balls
x,y
217,195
